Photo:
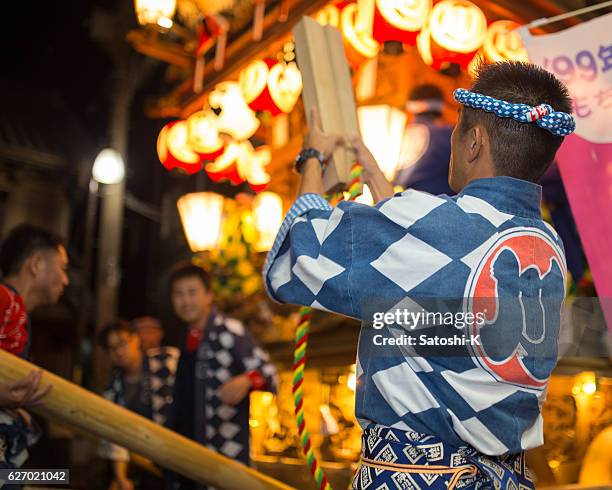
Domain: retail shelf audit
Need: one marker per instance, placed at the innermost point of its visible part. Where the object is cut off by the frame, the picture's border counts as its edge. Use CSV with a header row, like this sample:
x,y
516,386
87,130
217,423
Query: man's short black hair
x,y
120,325
184,270
520,150
21,242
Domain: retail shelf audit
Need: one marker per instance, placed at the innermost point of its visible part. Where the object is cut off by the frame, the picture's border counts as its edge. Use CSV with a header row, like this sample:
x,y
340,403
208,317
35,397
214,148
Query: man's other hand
x,y
24,392
319,140
363,154
234,391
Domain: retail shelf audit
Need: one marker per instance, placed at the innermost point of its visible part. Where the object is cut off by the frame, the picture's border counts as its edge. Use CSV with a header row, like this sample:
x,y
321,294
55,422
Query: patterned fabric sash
x,y
395,459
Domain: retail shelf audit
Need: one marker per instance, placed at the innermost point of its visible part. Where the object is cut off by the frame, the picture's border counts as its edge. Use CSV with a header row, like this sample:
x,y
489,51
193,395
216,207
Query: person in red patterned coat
x,y
33,264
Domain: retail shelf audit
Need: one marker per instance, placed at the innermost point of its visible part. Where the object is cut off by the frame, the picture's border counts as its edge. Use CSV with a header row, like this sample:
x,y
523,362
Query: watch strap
x,y
307,154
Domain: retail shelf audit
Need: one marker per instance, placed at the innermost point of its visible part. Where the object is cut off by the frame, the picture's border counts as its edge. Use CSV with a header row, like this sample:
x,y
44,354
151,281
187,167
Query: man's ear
x,y
34,264
474,140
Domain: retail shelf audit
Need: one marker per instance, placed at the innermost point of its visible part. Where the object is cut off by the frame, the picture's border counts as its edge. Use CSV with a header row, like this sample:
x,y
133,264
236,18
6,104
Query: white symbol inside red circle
x,y
518,262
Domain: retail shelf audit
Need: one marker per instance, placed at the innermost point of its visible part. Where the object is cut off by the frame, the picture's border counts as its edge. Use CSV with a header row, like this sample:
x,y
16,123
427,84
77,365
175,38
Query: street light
x,y
109,167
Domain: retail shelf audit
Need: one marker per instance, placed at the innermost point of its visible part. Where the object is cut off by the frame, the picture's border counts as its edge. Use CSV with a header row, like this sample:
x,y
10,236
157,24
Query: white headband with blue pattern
x,y
558,123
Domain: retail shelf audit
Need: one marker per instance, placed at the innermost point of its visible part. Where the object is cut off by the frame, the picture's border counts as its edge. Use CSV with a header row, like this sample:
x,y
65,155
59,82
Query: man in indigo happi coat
x,y
457,417
220,364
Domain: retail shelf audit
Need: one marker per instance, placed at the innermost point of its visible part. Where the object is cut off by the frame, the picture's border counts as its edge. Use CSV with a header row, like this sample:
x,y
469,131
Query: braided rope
x,y
557,123
355,188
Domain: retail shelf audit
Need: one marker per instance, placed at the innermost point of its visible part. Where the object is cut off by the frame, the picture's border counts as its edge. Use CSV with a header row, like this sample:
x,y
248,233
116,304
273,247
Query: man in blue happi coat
x,y
459,416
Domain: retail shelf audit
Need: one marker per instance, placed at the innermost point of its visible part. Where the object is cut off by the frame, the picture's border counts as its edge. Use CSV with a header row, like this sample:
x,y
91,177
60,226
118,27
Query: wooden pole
x,y
75,406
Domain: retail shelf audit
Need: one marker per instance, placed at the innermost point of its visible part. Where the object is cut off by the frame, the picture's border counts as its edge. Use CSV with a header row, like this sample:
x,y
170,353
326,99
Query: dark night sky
x,y
47,45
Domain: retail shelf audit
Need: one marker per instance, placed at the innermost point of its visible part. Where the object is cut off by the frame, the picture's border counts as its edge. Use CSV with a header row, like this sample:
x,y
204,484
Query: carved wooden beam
x,y
149,44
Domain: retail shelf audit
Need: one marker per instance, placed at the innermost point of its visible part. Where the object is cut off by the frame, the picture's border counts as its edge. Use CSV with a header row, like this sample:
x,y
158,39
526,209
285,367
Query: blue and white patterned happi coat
x,y
487,241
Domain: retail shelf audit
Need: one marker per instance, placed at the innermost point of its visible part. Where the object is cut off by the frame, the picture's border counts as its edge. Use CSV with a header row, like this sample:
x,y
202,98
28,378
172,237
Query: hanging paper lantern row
x,y
236,162
399,20
368,23
271,85
451,31
186,145
455,32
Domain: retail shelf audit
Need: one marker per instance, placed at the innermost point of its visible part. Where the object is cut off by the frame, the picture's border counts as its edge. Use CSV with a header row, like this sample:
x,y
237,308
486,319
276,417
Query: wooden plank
x,y
77,407
328,88
344,83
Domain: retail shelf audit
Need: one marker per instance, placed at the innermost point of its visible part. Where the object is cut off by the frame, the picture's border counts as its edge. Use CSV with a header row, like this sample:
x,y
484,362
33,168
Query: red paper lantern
x,y
254,85
203,137
173,150
241,162
399,20
455,32
252,163
225,165
359,43
271,85
503,42
329,15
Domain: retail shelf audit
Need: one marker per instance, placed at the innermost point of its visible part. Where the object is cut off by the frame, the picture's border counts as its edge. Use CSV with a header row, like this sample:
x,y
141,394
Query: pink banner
x,y
586,170
581,57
